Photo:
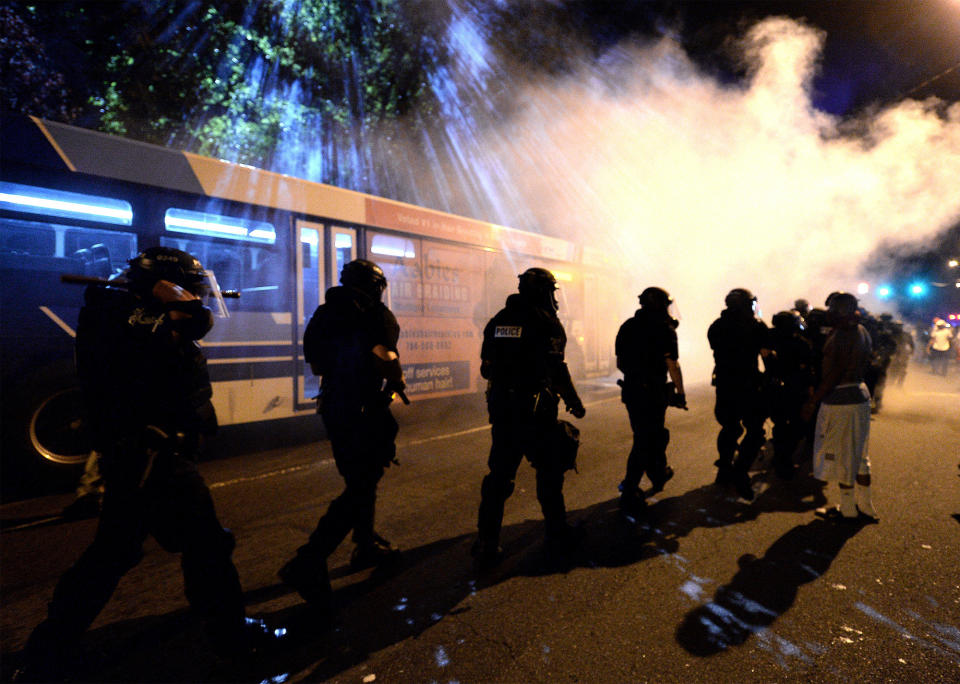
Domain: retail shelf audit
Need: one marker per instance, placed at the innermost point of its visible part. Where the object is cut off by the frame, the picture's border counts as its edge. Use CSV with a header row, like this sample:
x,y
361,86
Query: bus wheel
x,y
55,431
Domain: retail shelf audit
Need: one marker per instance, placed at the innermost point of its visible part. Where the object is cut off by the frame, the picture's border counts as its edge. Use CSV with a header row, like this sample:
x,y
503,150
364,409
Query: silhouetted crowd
x,y
817,374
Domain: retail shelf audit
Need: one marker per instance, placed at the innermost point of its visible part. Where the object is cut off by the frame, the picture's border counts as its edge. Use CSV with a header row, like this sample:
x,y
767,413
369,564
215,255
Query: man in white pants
x,y
843,421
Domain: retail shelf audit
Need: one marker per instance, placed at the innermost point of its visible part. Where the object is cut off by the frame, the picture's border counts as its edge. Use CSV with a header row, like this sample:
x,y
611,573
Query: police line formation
x,y
148,394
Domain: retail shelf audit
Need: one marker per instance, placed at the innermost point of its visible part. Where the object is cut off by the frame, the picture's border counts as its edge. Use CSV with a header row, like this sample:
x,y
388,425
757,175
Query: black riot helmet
x,y
787,323
538,286
801,306
658,300
166,263
741,299
655,298
365,276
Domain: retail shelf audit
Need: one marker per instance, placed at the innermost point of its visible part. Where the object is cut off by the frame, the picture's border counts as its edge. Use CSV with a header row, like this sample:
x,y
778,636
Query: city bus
x,y
80,202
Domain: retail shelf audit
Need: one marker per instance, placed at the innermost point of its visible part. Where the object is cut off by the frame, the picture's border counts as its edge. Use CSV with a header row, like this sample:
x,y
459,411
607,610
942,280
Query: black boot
x,y
724,473
378,551
661,480
741,482
49,656
633,505
310,580
486,552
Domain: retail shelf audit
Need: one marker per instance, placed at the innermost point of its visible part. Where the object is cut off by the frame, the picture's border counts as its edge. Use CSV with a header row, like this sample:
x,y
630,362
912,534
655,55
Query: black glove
x,y
577,409
396,387
678,400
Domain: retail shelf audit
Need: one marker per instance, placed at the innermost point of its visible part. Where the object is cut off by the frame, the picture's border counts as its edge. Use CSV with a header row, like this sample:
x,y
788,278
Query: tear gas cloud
x,y
699,186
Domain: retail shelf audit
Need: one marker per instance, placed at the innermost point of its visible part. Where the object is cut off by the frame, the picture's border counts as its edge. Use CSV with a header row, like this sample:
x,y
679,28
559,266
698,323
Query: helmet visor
x,y
209,292
673,310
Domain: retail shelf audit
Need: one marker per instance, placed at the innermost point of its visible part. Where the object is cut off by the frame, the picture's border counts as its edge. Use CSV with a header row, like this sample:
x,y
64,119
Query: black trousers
x,y
175,507
740,411
788,429
515,435
363,445
647,409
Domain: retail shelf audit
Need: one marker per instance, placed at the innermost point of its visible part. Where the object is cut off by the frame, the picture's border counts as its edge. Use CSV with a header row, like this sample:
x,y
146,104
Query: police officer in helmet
x,y
737,339
147,395
789,382
646,349
351,343
522,358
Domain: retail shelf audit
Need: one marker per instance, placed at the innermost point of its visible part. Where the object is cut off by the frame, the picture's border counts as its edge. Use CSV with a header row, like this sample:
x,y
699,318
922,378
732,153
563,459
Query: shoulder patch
x,y
508,331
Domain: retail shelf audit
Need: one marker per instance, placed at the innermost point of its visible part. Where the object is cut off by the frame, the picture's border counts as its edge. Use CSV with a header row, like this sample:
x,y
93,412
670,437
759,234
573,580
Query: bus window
x,y
255,271
42,246
249,263
30,199
214,225
344,250
399,257
105,253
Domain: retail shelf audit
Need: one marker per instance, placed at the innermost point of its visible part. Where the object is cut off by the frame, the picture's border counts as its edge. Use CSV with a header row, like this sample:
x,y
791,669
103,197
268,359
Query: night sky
x,y
876,51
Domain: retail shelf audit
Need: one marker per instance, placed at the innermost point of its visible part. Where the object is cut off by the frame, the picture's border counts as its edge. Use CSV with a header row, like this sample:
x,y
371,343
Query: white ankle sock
x,y
864,501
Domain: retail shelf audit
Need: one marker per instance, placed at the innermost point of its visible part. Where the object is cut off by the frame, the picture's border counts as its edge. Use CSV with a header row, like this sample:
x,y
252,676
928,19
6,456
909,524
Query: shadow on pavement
x,y
764,588
380,608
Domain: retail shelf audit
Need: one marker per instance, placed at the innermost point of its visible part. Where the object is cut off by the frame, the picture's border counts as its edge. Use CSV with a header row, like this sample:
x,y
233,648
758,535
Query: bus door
x,y
310,289
343,250
320,258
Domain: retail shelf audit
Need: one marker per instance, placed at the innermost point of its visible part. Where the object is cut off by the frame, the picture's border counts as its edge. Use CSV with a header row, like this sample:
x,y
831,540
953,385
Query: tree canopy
x,y
220,78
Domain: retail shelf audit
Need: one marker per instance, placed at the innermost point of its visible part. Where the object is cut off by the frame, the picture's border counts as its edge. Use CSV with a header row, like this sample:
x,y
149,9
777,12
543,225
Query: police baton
x,y
122,283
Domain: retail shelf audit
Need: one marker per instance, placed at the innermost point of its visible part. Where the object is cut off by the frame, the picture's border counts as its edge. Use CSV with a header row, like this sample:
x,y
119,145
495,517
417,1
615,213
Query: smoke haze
x,y
700,187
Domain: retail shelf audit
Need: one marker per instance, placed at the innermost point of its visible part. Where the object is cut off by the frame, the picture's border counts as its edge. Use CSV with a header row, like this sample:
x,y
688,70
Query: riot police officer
x,y
646,349
737,338
351,343
905,348
789,383
885,336
147,395
522,357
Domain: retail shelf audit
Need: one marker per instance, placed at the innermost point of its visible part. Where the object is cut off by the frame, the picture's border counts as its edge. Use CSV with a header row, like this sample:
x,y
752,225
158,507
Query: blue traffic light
x,y
918,289
884,291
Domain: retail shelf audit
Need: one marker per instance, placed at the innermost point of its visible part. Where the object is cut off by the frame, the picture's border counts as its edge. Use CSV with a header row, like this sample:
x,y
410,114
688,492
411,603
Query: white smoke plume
x,y
700,187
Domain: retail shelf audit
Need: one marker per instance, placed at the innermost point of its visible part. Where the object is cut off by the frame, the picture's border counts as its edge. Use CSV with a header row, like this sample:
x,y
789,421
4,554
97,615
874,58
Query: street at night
x,y
709,588
289,288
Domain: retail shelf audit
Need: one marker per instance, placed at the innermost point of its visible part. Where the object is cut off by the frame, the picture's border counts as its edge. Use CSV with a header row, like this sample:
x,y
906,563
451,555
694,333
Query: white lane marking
x,y
246,343
446,436
323,461
272,473
247,359
59,321
33,523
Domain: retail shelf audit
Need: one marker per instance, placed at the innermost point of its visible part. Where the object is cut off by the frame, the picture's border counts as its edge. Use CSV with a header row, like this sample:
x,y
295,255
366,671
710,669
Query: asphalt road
x,y
710,588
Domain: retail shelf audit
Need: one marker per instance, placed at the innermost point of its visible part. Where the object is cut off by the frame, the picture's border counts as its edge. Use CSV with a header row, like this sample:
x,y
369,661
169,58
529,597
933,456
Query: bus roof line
x,y
53,143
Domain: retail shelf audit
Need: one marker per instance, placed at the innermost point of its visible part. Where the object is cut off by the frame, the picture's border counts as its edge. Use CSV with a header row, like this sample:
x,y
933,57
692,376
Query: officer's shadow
x,y
379,608
764,588
613,540
436,580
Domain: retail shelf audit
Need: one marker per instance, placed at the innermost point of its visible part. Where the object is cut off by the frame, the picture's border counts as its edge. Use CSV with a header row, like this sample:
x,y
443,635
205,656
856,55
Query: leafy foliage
x,y
222,78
